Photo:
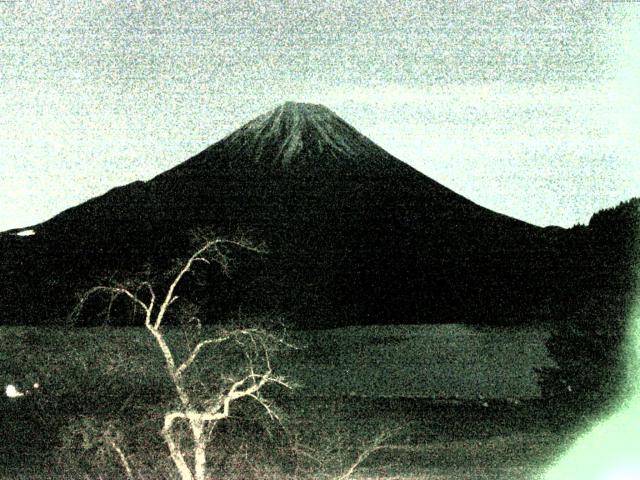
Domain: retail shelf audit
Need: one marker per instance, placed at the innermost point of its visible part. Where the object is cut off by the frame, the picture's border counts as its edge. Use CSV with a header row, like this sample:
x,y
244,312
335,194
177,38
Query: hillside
x,y
355,236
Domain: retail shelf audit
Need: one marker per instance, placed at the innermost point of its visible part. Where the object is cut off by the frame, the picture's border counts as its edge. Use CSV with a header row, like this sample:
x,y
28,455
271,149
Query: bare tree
x,y
200,415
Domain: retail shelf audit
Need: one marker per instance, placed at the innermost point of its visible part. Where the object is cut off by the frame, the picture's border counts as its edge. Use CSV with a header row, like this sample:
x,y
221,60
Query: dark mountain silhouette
x,y
355,236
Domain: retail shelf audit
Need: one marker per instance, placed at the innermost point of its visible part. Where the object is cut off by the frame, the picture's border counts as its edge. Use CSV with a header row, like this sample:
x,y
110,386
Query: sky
x,y
528,108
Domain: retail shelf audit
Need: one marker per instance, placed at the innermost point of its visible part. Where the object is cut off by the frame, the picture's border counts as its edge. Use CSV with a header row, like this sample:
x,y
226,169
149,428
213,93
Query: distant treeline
x,y
590,344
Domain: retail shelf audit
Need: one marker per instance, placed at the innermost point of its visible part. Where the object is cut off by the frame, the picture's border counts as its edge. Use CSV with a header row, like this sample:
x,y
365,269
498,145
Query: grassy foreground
x,y
93,380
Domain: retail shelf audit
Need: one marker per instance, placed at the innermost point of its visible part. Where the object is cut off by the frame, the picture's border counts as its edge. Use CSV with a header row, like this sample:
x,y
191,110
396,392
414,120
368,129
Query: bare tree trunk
x,y
199,450
174,450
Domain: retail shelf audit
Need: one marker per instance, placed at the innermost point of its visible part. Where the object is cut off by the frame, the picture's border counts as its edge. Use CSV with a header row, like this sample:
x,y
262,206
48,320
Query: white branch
x,y
197,256
266,406
152,302
211,341
117,291
123,459
170,365
375,446
174,450
194,353
169,297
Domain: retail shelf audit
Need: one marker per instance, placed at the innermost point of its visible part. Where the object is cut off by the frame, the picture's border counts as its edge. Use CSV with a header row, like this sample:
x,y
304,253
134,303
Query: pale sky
x,y
529,108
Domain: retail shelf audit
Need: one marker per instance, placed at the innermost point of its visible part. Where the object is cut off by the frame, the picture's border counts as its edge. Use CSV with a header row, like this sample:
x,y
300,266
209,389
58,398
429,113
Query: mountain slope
x,y
301,139
355,235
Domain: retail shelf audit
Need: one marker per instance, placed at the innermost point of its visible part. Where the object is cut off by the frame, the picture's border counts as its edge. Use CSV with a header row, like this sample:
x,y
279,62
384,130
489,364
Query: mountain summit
x,y
295,132
355,235
297,139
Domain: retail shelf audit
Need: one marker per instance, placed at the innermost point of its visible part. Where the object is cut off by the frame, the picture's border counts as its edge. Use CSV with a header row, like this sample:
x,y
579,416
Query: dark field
x,y
97,379
446,441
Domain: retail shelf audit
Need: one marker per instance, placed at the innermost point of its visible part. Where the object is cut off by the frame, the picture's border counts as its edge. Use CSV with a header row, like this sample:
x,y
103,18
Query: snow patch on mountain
x,y
293,130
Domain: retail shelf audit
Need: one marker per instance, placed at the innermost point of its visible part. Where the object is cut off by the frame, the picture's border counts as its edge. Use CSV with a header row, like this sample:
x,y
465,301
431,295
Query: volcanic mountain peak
x,y
293,119
355,235
295,132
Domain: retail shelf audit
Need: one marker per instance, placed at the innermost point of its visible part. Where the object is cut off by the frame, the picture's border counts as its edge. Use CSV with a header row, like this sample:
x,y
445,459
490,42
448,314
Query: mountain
x,y
355,236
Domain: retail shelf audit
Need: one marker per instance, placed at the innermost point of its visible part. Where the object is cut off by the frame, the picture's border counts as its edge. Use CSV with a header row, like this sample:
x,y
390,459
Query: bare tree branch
x,y
114,291
375,446
211,341
197,256
122,458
